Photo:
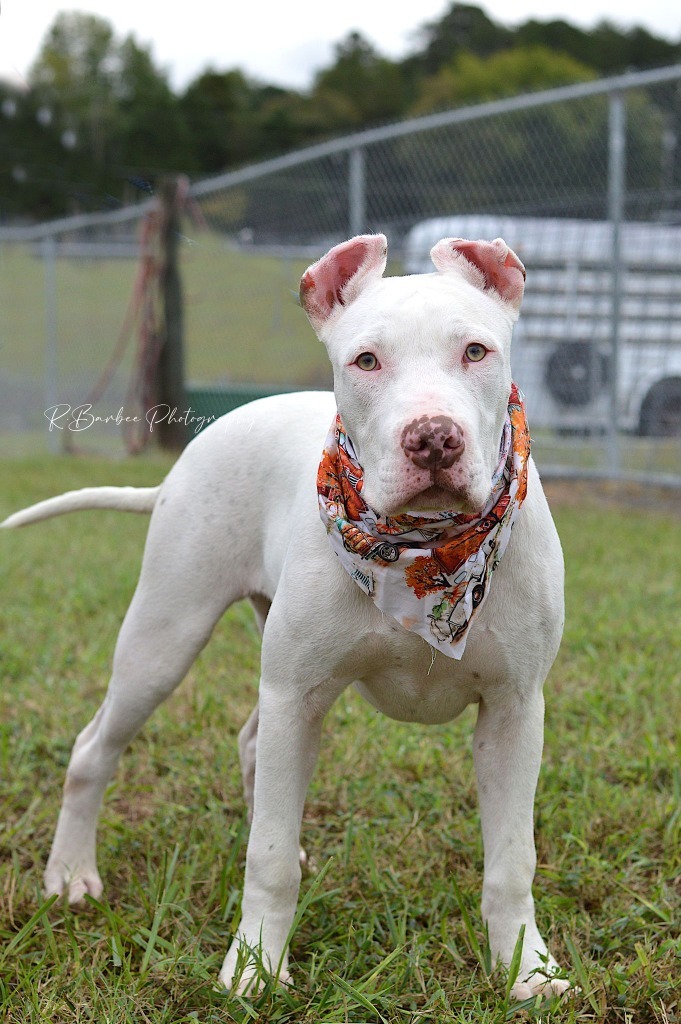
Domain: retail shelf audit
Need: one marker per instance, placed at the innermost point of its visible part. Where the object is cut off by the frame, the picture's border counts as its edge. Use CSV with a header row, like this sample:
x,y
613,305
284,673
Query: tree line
x,y
99,122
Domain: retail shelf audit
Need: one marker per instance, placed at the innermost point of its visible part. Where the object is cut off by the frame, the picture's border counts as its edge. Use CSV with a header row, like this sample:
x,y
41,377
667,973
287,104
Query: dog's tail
x,y
122,499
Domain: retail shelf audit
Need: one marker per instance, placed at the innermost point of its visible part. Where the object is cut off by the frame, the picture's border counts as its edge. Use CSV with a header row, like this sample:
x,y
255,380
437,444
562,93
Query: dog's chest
x,y
405,678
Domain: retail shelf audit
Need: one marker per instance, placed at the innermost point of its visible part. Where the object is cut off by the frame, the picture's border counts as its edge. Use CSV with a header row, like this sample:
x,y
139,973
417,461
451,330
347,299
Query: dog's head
x,y
421,366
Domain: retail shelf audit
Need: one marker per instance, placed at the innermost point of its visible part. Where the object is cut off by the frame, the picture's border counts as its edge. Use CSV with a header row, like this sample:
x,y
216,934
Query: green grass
x,y
393,931
638,456
242,321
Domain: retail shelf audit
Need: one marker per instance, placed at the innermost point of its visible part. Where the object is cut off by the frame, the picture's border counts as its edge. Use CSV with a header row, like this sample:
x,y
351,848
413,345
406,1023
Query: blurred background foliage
x,y
97,121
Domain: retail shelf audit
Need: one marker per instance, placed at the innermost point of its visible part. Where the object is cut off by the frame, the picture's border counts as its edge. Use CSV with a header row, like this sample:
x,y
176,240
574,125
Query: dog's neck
x,y
430,572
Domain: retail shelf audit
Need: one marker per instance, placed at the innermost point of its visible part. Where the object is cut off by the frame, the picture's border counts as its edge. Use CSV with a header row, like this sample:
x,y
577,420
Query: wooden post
x,y
173,434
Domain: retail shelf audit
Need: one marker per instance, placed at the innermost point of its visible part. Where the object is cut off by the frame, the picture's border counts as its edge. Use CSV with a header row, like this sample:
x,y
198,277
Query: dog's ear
x,y
337,278
490,266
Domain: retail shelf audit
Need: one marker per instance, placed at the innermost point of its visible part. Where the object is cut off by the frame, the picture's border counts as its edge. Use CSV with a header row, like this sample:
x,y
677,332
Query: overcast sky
x,y
285,41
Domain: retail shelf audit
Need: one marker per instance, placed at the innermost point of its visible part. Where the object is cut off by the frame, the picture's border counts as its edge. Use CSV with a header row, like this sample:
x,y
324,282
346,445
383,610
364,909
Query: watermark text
x,y
81,417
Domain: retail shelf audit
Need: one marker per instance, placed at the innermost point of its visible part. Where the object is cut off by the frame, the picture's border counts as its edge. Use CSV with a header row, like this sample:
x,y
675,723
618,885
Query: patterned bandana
x,y
430,572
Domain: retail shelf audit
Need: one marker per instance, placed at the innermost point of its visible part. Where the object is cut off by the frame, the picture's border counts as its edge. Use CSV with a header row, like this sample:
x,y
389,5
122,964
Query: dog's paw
x,y
246,970
538,974
72,884
251,981
539,985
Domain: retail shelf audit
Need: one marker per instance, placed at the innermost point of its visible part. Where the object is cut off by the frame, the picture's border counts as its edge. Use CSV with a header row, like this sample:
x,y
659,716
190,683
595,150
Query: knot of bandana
x,y
430,572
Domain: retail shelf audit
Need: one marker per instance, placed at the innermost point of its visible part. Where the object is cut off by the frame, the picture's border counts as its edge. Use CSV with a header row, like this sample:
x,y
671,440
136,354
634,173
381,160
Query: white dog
x,y
432,580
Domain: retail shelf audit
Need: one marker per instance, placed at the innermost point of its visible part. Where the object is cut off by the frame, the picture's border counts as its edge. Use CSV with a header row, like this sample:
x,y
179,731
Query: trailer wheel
x,y
569,373
661,410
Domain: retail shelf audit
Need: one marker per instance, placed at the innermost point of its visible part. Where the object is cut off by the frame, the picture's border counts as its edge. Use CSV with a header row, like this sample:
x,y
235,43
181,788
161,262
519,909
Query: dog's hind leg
x,y
247,744
249,733
170,619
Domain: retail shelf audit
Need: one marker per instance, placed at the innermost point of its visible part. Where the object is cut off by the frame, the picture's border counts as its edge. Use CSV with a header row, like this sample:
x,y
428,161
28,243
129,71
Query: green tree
x,y
150,132
99,111
75,75
109,114
470,79
290,120
463,27
361,86
605,48
645,50
220,111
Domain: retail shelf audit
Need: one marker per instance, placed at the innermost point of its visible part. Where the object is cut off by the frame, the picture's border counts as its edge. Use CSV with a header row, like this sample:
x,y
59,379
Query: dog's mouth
x,y
440,499
460,490
433,499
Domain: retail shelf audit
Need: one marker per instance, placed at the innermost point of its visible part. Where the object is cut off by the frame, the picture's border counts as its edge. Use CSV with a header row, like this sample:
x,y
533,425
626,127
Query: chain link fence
x,y
583,182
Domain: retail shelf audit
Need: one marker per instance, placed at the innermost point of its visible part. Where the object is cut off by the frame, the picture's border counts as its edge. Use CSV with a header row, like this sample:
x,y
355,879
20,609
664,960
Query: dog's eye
x,y
367,361
475,352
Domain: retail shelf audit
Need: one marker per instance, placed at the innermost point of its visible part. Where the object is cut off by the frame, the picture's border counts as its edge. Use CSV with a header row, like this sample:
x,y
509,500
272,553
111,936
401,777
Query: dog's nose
x,y
433,442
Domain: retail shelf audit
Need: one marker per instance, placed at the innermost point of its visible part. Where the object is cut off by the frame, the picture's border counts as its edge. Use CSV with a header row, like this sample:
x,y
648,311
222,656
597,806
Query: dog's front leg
x,y
507,750
288,737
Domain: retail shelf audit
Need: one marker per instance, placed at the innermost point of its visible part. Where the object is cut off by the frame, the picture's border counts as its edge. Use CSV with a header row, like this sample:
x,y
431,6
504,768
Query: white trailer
x,y
563,343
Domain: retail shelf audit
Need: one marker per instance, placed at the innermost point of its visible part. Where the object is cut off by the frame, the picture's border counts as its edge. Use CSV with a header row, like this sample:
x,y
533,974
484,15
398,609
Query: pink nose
x,y
433,442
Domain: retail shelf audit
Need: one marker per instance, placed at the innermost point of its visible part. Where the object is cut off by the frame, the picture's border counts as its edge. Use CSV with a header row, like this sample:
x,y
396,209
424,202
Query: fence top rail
x,y
358,140
79,222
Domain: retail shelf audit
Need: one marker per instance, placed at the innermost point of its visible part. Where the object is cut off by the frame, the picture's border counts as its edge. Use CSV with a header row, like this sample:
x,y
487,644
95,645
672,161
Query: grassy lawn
x,y
242,321
393,931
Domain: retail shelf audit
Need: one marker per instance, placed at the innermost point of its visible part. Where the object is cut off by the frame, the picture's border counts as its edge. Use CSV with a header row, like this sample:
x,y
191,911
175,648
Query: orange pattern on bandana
x,y
430,572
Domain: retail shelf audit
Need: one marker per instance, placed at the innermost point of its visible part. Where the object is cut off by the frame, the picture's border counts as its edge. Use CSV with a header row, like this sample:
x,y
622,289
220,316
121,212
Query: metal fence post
x,y
616,202
357,191
51,366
